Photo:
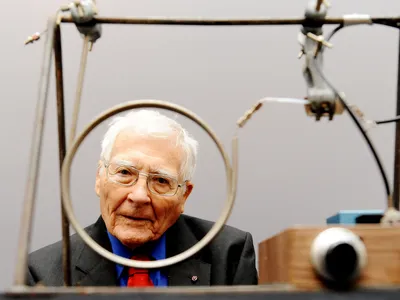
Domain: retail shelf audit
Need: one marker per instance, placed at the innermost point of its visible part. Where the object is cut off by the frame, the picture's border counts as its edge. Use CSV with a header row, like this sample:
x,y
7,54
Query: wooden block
x,y
285,257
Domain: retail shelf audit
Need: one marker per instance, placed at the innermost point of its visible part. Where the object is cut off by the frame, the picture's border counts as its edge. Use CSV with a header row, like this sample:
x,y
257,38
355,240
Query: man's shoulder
x,y
231,252
53,251
201,227
45,264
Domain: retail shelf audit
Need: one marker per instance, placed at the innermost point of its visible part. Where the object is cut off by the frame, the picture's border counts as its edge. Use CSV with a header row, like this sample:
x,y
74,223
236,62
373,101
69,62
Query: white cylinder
x,y
338,255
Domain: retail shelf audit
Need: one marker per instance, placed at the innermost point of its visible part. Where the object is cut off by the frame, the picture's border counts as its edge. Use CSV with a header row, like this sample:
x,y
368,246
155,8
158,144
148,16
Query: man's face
x,y
132,213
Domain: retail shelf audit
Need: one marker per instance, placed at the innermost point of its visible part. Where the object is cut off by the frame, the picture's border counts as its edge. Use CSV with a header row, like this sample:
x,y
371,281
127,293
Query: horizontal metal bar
x,y
250,290
114,290
225,22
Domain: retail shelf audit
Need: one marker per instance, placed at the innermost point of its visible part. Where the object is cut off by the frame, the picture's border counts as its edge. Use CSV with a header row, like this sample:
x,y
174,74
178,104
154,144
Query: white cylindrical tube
x,y
338,255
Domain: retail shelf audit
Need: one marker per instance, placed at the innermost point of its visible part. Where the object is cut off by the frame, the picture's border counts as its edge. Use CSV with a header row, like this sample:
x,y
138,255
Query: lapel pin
x,y
194,278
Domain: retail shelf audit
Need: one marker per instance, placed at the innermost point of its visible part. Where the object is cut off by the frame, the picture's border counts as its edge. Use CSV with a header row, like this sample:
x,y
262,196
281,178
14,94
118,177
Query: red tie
x,y
139,277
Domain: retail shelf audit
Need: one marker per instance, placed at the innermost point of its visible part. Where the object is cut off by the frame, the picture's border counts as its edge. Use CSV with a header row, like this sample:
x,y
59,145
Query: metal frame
x,y
396,167
55,38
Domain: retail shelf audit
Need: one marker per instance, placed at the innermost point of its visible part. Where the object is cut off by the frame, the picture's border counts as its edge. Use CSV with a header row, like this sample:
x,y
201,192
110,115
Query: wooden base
x,y
285,257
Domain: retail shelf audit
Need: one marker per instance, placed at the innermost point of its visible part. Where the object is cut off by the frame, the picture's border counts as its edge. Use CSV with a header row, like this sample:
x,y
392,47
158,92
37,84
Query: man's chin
x,y
134,237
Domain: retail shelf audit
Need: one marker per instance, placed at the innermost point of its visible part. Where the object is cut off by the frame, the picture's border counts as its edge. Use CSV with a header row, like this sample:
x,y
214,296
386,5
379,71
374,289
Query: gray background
x,y
292,169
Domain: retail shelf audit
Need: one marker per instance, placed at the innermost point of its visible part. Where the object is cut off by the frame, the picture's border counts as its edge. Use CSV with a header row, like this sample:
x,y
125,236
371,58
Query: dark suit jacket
x,y
227,260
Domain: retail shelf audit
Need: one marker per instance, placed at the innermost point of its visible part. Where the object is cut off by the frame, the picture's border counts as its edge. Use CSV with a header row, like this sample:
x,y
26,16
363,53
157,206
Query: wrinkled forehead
x,y
148,151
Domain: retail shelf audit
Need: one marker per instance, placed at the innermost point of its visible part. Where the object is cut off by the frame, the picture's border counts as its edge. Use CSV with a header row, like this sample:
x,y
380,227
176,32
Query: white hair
x,y
152,122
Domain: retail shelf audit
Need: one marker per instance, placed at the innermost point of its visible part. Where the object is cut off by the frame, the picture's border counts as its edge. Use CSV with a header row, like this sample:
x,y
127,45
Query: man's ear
x,y
98,179
188,190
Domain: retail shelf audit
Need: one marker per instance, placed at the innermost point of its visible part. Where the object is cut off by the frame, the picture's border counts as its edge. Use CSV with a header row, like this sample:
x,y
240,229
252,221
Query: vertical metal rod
x,y
34,161
66,254
396,184
319,4
79,88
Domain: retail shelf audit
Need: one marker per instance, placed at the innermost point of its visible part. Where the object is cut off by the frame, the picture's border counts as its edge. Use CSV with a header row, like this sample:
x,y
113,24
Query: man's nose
x,y
139,191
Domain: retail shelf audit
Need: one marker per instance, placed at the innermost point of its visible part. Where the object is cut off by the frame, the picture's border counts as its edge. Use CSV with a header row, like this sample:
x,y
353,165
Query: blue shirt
x,y
158,252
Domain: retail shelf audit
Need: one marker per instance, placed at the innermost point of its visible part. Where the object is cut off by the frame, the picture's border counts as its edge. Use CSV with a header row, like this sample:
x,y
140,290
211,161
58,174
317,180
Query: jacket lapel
x,y
91,269
192,271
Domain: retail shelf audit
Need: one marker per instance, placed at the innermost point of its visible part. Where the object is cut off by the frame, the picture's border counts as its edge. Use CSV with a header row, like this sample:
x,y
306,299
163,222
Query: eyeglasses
x,y
127,175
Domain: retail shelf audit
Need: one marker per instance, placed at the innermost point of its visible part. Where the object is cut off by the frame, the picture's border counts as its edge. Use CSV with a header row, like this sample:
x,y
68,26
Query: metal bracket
x,y
323,100
83,14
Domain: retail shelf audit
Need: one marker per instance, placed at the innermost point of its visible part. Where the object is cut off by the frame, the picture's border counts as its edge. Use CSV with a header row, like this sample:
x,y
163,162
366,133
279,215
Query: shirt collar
x,y
158,250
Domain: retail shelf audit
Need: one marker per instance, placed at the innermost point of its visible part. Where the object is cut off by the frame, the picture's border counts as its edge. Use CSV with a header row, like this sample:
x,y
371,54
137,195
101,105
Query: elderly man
x,y
143,181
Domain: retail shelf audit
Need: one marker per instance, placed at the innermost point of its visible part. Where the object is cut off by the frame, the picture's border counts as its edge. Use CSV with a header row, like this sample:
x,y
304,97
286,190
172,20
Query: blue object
x,y
356,217
159,252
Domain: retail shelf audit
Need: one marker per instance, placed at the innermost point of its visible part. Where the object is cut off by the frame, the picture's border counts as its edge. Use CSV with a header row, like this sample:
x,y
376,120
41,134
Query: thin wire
x,y
387,23
341,26
285,100
334,31
78,95
363,132
395,119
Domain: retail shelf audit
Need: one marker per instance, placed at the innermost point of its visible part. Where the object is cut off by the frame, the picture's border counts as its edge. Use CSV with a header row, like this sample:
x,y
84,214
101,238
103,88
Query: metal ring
x,y
65,187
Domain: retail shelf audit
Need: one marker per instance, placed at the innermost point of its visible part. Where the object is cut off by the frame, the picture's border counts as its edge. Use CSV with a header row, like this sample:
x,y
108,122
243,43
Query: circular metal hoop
x,y
65,187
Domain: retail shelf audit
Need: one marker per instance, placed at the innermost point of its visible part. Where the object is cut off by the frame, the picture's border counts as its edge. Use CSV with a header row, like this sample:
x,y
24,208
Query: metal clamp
x,y
83,14
323,100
